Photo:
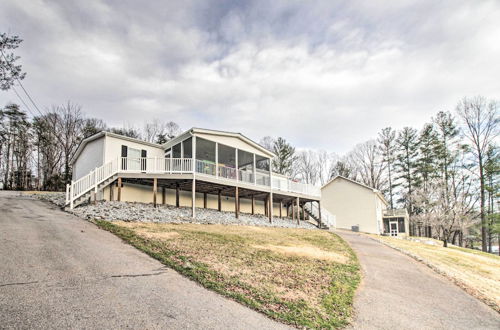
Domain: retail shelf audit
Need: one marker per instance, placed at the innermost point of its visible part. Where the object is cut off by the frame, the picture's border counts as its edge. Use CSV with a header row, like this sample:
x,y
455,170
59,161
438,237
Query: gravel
x,y
143,212
57,198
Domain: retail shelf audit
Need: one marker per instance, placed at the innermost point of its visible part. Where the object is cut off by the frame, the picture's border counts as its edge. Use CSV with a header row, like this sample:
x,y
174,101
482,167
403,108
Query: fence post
x,y
67,193
71,195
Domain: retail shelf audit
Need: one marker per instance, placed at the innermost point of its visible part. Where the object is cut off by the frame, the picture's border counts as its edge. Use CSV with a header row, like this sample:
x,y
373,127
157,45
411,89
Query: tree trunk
x,y
482,202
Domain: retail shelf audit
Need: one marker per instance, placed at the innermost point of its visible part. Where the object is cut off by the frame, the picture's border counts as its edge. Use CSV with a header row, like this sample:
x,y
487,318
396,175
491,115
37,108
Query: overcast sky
x,y
322,74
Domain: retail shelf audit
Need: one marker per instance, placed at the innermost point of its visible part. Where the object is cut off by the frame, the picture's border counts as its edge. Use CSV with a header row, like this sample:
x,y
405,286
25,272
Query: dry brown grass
x,y
303,277
477,272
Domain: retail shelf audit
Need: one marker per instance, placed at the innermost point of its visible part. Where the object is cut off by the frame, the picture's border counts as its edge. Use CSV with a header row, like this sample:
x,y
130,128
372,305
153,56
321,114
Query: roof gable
x,y
375,191
202,132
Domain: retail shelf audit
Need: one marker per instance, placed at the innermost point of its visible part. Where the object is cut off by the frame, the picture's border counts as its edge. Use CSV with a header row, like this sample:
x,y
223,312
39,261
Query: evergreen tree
x,y
406,164
492,187
427,163
387,145
447,131
285,157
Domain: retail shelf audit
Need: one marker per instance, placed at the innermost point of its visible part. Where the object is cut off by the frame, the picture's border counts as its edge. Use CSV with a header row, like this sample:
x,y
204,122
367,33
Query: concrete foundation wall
x,y
144,194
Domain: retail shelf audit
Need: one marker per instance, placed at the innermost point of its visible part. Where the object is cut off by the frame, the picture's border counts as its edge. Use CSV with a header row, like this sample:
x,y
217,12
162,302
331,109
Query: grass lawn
x,y
475,271
305,278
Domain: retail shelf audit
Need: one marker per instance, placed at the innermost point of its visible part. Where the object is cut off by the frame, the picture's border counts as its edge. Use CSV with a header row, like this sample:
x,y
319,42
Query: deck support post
x,y
205,200
177,204
271,207
287,210
193,199
253,204
293,210
236,203
298,211
266,207
319,211
281,207
155,189
111,191
219,200
163,195
119,189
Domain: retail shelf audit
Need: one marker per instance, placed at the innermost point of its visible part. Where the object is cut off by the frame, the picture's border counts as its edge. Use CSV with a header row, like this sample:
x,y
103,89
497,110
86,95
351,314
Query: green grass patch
x,y
304,278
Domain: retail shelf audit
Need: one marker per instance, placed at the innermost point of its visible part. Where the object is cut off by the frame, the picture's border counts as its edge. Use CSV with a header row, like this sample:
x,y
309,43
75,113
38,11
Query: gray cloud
x,y
323,75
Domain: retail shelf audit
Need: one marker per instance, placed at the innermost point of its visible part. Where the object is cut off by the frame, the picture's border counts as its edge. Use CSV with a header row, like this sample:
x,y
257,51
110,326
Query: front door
x,y
393,227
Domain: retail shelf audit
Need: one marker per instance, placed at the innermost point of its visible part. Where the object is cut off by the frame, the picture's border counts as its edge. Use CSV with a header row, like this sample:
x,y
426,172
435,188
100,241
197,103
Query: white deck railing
x,y
180,165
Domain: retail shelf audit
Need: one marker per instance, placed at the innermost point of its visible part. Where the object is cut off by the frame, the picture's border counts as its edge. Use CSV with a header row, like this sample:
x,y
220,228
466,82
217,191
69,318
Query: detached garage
x,y
358,207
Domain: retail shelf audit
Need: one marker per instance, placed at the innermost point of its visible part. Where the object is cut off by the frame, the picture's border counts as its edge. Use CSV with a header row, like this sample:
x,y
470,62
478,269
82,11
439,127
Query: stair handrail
x,y
91,181
326,217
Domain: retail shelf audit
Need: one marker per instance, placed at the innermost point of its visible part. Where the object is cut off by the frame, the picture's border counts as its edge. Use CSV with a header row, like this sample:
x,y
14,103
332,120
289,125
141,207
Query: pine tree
x,y
387,145
285,157
447,131
427,163
406,164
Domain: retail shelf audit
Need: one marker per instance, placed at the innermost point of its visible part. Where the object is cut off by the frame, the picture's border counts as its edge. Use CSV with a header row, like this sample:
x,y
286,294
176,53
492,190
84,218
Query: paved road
x,y
399,293
59,272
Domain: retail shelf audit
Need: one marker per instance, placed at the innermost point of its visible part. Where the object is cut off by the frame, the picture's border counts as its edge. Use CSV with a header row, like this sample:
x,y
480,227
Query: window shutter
x,y
144,154
124,151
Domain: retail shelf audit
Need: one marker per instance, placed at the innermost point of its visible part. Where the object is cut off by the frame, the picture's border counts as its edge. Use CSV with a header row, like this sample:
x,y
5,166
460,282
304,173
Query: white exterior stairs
x,y
326,221
81,190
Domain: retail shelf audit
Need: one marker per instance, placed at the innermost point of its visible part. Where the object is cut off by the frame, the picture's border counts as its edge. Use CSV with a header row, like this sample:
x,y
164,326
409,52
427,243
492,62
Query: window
x,y
227,156
134,161
187,146
401,225
176,151
205,150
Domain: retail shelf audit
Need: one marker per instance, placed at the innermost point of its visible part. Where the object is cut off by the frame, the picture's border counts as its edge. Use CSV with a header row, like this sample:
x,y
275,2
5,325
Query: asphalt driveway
x,y
398,292
60,272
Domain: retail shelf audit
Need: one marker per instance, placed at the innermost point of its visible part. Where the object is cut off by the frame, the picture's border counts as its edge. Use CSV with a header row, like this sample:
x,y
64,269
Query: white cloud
x,y
323,76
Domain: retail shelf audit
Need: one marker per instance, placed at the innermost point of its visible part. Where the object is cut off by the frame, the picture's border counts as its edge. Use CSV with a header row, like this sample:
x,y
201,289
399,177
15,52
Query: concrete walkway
x,y
60,272
397,292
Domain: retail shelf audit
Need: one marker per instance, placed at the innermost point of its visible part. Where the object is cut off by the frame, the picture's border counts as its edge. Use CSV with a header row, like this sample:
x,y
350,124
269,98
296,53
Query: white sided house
x,y
199,168
358,207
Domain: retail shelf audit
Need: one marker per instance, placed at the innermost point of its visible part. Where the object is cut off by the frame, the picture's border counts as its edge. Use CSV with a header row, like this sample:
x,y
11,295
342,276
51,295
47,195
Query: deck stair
x,y
326,221
81,190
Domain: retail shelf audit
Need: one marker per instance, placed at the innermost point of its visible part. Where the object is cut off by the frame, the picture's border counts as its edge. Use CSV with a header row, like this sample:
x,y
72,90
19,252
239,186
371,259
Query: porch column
x,y
155,188
281,207
177,195
236,164
253,204
236,202
205,200
217,161
119,189
193,199
219,201
193,152
298,211
254,170
271,207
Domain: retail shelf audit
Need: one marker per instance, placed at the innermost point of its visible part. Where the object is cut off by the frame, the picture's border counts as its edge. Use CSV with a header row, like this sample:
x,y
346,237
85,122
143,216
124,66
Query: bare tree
x,y
480,120
307,166
370,164
387,145
268,143
69,124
